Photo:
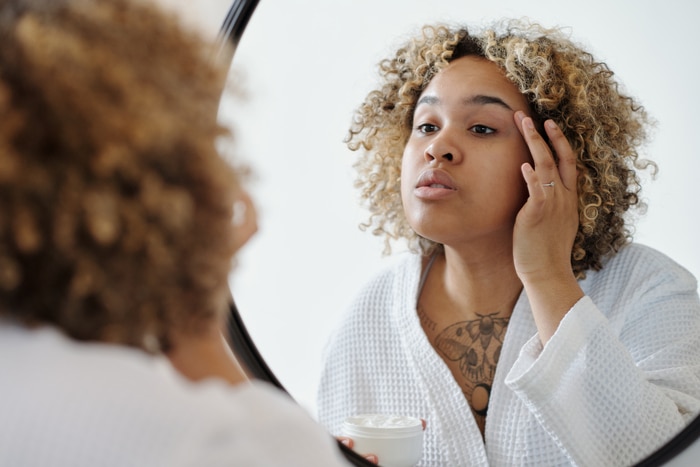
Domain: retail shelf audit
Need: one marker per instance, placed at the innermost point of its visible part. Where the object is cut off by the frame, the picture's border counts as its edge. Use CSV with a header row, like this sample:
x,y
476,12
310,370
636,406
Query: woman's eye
x,y
427,128
482,129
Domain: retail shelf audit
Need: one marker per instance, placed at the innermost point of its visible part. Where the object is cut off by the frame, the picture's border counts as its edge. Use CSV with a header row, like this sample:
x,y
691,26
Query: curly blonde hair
x,y
115,205
561,82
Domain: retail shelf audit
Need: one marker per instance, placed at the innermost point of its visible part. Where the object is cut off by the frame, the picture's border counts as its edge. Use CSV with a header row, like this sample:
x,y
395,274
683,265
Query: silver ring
x,y
550,184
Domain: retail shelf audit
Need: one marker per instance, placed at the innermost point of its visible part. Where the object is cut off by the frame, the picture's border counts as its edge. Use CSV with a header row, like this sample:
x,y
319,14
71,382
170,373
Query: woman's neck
x,y
475,281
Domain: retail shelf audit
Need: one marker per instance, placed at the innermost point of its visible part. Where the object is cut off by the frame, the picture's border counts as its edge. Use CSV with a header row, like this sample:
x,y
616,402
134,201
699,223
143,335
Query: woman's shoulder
x,y
636,263
642,257
114,396
274,430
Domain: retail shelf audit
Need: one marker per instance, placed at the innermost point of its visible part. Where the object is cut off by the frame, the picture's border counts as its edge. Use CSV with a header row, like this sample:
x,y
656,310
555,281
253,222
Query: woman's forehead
x,y
473,80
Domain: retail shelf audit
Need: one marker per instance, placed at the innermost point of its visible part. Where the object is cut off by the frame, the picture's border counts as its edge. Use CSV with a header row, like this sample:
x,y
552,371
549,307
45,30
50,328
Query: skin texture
x,y
206,355
561,82
545,228
490,226
501,229
498,231
477,145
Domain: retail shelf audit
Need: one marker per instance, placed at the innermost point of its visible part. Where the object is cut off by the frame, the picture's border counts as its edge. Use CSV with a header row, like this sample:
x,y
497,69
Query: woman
x,y
528,329
116,239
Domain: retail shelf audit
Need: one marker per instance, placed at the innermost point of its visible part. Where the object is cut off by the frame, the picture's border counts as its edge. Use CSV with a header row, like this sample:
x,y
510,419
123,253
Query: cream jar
x,y
396,440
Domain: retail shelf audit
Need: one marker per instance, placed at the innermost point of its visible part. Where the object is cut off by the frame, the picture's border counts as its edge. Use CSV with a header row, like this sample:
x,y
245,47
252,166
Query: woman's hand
x,y
546,226
349,443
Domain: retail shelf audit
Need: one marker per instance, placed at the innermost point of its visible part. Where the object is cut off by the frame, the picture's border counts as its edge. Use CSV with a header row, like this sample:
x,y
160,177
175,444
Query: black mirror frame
x,y
242,344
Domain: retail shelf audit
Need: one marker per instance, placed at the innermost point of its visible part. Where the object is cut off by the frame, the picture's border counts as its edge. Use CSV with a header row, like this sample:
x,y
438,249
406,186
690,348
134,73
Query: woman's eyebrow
x,y
482,99
478,99
432,100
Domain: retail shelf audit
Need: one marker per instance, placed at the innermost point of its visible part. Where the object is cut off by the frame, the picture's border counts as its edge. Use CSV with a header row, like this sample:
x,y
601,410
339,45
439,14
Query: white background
x,y
306,65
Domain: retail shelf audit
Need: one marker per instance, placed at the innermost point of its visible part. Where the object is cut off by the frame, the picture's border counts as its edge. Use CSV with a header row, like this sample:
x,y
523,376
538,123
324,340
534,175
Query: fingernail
x,y
372,458
527,123
346,442
551,125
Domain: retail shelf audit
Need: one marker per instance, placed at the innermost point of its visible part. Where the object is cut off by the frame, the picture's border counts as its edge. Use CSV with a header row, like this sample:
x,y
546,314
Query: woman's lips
x,y
434,184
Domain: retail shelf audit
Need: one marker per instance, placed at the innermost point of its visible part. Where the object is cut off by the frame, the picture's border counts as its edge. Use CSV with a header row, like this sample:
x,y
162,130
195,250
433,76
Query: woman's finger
x,y
539,149
566,155
349,443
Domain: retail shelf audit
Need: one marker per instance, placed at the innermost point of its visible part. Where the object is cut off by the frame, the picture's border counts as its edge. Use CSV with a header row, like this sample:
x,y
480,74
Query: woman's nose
x,y
443,148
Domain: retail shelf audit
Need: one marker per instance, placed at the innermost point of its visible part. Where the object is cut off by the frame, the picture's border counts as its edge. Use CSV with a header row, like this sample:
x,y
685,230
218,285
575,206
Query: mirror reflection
x,y
310,251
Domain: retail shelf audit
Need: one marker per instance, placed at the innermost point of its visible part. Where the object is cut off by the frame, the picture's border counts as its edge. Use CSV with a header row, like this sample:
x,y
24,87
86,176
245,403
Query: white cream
x,y
396,440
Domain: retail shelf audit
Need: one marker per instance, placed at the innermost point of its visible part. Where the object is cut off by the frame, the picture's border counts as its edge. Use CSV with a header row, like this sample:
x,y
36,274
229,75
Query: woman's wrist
x,y
550,300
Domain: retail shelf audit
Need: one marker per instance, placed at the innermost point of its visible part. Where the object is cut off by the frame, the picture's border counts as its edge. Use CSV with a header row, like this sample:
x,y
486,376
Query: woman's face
x,y
460,176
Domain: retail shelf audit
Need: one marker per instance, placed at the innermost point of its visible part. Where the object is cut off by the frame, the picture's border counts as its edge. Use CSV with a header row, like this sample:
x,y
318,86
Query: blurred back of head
x,y
115,207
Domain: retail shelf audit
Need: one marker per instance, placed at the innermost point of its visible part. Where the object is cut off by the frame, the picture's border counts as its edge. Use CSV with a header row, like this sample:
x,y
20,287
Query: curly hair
x,y
115,205
561,82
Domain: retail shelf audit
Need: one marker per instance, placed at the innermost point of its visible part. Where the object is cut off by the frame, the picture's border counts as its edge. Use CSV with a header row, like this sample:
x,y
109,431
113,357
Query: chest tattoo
x,y
475,347
425,321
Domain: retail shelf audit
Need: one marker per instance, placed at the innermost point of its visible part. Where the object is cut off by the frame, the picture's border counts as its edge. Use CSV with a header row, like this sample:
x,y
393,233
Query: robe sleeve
x,y
612,394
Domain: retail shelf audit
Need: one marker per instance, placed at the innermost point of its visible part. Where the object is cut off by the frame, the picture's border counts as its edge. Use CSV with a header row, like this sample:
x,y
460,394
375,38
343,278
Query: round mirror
x,y
307,65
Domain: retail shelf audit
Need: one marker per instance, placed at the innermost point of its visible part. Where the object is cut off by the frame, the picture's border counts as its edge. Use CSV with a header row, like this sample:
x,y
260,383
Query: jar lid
x,y
382,426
